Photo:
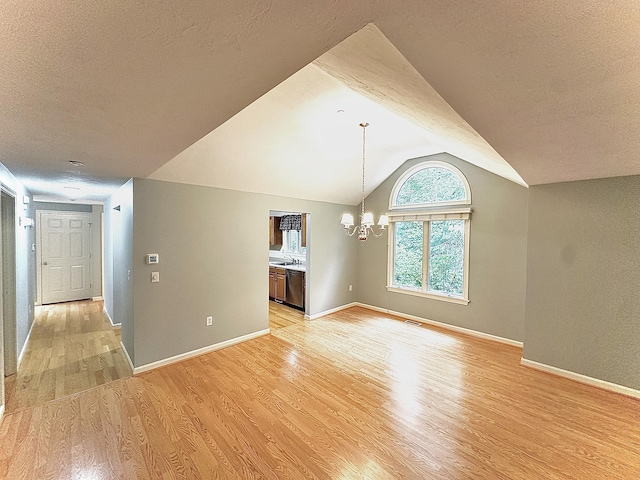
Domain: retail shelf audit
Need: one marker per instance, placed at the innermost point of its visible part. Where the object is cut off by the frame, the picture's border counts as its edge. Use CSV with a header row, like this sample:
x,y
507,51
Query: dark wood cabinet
x,y
275,234
277,284
303,242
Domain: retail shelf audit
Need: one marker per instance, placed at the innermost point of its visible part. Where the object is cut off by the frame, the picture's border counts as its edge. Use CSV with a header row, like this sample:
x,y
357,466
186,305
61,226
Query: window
x,y
292,242
429,231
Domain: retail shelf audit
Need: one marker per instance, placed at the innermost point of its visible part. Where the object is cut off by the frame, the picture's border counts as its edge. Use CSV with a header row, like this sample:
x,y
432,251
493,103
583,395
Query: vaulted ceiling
x,y
537,92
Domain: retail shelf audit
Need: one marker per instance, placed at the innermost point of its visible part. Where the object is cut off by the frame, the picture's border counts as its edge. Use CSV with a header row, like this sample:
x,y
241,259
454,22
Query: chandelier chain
x,y
364,126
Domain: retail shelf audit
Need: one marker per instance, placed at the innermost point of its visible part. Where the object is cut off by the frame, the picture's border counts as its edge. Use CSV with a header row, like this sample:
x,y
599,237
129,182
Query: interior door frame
x,y
38,215
8,311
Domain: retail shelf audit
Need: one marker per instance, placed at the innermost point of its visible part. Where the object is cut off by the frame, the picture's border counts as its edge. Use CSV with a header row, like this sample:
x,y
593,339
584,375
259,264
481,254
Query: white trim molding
x,y
126,354
330,311
200,351
95,299
1,413
578,377
453,328
428,294
117,325
26,342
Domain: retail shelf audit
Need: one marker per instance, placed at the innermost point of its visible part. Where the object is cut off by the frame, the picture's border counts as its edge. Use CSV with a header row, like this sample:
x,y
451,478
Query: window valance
x,y
291,222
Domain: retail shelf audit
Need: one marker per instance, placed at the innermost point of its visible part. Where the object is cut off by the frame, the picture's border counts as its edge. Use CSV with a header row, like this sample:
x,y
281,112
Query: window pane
x,y
446,256
407,268
431,185
293,240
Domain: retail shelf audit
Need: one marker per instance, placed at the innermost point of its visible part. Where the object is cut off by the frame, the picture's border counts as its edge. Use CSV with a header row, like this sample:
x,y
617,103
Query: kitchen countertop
x,y
296,266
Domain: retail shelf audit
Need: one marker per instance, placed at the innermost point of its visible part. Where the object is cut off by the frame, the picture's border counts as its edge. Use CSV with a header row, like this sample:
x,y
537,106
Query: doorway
x,y
289,259
8,280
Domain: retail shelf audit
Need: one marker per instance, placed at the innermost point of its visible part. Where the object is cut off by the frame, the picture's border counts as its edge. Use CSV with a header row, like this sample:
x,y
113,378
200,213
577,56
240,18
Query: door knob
x,y
46,263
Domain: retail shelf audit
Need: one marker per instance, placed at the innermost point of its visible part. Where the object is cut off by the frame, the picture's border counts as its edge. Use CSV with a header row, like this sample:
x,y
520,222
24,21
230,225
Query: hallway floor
x,y
72,348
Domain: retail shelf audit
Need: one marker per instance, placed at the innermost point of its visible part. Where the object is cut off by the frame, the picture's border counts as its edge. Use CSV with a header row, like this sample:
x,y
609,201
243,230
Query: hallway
x,y
72,348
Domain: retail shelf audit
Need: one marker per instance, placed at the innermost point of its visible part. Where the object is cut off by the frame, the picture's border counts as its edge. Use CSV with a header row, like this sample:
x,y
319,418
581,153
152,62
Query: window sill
x,y
432,296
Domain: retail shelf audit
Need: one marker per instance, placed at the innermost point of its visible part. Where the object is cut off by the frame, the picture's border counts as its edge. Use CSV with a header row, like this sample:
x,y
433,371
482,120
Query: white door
x,y
66,256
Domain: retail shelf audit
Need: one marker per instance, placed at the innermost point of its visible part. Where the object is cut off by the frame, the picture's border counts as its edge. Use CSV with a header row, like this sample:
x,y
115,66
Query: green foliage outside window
x,y
446,256
408,249
431,185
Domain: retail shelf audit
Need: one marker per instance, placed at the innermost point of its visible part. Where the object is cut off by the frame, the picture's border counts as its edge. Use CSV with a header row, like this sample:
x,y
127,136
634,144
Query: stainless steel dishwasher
x,y
295,288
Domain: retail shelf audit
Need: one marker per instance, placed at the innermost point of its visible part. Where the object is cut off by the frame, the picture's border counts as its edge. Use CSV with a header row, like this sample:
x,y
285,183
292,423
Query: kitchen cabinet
x,y
275,234
277,284
303,242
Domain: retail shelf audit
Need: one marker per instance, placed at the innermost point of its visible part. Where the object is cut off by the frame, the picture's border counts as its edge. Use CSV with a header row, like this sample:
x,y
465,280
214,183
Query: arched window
x,y
430,184
429,228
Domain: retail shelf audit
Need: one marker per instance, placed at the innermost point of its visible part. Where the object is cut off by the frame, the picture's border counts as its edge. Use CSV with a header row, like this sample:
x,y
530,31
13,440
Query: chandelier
x,y
366,219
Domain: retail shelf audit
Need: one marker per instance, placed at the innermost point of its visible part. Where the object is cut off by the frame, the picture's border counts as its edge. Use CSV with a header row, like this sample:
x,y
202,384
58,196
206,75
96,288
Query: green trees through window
x,y
446,256
431,185
408,254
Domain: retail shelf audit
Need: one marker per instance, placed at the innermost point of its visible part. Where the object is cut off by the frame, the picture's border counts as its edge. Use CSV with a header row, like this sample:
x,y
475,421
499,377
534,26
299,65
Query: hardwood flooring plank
x,y
72,347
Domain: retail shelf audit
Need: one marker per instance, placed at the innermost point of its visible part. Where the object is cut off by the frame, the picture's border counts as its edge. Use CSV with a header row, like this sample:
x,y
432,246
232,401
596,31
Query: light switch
x,y
155,277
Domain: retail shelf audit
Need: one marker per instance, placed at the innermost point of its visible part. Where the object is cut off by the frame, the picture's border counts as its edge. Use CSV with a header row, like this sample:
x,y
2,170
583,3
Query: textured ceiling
x,y
292,141
552,87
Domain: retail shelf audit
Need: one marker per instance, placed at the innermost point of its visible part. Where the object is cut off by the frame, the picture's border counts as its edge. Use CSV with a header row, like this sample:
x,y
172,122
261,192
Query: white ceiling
x,y
547,89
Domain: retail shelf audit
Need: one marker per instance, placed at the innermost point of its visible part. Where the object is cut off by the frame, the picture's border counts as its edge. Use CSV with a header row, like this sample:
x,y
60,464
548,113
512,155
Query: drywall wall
x,y
25,260
497,268
62,207
213,247
583,274
96,249
118,262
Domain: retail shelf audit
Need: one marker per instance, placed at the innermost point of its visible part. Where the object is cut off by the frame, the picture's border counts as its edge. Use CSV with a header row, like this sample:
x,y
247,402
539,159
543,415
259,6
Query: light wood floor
x,y
281,316
72,347
353,395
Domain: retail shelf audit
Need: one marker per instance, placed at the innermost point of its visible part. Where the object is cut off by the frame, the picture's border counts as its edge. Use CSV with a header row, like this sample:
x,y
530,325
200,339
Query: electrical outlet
x,y
350,288
209,321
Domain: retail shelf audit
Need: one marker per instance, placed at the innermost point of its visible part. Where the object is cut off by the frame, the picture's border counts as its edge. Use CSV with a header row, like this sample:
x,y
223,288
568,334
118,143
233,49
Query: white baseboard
x,y
126,354
97,298
116,325
578,377
26,342
199,351
453,328
1,412
333,310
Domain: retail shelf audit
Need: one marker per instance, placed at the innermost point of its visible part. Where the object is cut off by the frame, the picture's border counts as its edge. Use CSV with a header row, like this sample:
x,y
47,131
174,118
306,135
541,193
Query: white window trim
x,y
426,216
421,166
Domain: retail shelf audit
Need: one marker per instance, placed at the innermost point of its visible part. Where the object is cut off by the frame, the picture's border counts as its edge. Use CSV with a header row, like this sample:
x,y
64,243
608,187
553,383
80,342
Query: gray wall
x,y
118,262
583,306
25,263
497,268
213,247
